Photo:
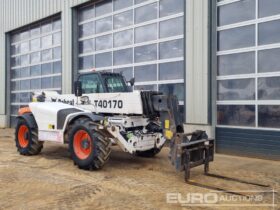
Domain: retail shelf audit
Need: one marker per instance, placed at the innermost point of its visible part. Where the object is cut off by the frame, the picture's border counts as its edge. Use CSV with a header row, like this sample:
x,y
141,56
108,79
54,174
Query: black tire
x,y
99,146
31,146
149,153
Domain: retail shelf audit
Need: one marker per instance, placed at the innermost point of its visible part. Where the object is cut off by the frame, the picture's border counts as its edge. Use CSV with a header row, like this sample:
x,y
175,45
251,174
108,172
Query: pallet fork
x,y
191,150
187,150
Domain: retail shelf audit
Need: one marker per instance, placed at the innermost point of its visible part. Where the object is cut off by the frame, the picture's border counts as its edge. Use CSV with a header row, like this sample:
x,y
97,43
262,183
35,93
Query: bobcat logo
x,y
70,102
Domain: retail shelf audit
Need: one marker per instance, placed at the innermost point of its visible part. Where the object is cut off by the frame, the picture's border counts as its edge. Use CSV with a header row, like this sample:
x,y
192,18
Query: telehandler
x,y
103,112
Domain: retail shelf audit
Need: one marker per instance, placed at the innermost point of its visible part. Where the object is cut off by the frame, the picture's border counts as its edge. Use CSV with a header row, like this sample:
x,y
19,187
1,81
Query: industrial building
x,y
220,57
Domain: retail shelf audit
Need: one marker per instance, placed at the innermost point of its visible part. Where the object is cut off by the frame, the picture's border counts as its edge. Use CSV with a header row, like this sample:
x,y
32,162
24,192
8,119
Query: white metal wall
x,y
197,56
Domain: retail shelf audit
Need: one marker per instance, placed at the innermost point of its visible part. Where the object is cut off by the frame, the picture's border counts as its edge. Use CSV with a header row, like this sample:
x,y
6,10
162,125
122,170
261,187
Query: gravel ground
x,y
51,181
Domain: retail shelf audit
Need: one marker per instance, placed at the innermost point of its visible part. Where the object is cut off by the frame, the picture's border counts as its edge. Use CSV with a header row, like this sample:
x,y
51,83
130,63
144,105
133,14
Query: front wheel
x,y
27,142
89,149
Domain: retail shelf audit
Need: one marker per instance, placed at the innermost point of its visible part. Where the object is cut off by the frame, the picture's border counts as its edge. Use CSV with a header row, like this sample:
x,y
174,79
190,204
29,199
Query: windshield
x,y
91,83
115,84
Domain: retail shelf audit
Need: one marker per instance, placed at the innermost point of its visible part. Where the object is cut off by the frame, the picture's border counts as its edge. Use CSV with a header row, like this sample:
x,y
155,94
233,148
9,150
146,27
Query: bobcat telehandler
x,y
103,112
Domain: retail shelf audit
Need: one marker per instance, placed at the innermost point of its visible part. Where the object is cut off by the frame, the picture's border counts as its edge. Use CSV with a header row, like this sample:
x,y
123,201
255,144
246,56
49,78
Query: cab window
x,y
115,84
91,83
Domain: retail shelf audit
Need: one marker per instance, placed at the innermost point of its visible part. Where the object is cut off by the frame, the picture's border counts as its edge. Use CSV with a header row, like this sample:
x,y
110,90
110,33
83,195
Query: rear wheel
x,y
89,149
27,141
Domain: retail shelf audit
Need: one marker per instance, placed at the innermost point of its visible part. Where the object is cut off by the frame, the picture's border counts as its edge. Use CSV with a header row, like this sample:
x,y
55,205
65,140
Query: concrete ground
x,y
51,181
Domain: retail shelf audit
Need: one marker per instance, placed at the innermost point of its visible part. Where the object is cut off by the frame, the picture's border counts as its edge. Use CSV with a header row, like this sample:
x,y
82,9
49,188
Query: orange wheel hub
x,y
82,144
23,134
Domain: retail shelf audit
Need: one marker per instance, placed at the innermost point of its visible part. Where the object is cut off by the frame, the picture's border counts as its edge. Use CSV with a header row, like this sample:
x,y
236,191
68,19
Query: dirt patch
x,y
51,181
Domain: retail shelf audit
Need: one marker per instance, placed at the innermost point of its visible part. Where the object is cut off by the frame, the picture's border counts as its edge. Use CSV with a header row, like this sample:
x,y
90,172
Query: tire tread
x,y
35,146
103,145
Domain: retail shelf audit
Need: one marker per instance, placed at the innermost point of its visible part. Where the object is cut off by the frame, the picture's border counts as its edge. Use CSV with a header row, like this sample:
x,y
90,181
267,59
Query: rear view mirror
x,y
78,88
132,81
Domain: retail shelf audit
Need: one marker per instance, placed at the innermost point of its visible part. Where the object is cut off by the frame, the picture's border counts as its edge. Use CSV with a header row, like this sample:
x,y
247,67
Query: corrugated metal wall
x,y
197,66
17,13
248,142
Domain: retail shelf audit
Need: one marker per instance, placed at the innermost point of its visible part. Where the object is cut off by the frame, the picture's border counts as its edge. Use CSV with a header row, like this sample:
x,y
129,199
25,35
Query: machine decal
x,y
108,104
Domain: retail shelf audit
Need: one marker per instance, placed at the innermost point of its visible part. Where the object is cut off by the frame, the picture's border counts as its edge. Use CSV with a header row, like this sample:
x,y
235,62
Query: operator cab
x,y
102,82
